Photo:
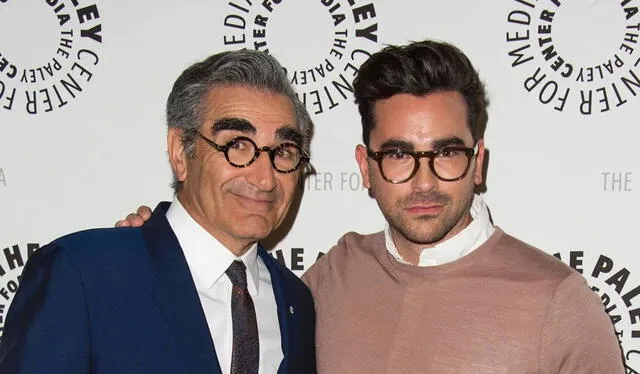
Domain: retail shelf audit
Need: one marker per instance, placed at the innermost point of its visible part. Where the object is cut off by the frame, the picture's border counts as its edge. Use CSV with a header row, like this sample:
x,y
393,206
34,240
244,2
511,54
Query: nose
x,y
261,173
424,180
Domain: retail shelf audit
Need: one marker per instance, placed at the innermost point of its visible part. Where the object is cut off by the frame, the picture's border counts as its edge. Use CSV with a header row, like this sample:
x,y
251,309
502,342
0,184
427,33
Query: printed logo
x,y
617,181
612,281
327,181
12,260
295,260
576,56
48,53
338,36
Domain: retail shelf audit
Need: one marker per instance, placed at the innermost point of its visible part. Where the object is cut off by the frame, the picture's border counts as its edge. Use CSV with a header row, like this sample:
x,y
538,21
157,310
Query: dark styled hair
x,y
186,103
419,68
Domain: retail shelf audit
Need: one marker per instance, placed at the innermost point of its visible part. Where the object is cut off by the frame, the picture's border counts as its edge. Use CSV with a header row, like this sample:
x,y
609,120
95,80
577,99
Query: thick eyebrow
x,y
234,124
397,143
446,142
289,134
436,144
242,125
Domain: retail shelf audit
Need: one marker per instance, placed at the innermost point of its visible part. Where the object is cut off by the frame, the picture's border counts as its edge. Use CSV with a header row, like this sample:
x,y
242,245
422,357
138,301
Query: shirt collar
x,y
459,245
206,257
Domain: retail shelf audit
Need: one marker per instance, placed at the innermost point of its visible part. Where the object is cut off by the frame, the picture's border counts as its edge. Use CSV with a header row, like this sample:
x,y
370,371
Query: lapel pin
x,y
290,309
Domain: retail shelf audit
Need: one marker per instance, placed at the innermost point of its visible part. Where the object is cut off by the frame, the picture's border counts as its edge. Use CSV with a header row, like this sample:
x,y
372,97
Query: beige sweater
x,y
504,308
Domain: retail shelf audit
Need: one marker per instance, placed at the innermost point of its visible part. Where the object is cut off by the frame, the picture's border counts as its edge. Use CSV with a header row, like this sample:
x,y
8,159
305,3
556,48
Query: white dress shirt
x,y
459,245
208,260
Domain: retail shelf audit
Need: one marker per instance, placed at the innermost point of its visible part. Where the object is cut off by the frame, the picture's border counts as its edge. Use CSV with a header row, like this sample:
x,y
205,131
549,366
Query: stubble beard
x,y
426,229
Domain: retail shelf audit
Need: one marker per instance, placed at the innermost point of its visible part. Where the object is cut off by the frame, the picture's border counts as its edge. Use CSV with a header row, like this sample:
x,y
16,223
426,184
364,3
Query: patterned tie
x,y
245,352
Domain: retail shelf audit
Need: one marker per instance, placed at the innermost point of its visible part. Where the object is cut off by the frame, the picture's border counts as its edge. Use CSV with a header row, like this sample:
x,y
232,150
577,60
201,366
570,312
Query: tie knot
x,y
238,274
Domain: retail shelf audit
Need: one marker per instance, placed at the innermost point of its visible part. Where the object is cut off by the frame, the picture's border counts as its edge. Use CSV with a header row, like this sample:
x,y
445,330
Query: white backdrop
x,y
83,85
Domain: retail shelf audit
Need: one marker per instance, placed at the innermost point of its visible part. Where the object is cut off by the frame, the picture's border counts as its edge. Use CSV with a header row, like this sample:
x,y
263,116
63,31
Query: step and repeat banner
x,y
83,85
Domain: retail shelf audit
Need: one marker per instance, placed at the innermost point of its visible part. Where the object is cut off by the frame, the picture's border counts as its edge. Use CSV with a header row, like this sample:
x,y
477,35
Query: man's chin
x,y
427,240
427,236
257,227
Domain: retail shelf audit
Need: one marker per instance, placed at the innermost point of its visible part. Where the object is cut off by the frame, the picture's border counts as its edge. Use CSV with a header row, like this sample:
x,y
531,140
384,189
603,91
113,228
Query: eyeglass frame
x,y
379,155
304,157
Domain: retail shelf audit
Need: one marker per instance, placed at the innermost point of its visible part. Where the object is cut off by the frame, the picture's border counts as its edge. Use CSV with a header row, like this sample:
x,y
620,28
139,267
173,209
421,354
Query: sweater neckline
x,y
397,268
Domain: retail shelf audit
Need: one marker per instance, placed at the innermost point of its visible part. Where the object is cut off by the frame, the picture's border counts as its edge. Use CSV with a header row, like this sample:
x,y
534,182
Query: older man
x,y
191,291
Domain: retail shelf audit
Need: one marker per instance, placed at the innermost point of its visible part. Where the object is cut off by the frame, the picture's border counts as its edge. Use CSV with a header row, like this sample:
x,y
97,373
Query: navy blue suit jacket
x,y
123,301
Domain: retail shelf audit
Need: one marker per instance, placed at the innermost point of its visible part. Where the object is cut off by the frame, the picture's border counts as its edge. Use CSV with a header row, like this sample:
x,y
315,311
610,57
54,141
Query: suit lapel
x,y
176,295
286,309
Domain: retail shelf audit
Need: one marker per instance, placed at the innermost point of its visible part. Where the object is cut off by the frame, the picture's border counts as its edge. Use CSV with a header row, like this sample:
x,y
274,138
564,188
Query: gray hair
x,y
249,68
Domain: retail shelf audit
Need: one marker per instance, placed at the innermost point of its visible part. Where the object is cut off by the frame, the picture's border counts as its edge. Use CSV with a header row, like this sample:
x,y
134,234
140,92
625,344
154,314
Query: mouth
x,y
425,209
254,202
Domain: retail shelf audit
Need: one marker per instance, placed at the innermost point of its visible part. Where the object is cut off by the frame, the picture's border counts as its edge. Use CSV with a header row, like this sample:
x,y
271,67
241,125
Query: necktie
x,y
245,352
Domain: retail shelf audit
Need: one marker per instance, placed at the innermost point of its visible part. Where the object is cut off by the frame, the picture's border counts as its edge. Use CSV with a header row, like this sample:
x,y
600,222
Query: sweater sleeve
x,y
313,276
578,336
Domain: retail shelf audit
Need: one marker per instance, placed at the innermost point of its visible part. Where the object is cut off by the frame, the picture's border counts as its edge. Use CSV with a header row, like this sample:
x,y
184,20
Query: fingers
x,y
134,220
144,212
122,223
